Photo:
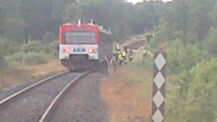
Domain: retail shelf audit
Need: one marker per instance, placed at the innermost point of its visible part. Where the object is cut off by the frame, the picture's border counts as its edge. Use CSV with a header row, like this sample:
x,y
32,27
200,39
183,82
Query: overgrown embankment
x,y
192,94
21,62
191,81
128,92
190,91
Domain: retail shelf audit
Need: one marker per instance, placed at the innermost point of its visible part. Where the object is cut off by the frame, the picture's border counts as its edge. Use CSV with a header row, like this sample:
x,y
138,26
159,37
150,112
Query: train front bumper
x,y
67,51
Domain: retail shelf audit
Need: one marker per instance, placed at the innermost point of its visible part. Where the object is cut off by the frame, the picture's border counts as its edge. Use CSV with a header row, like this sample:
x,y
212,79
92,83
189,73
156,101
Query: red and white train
x,y
84,45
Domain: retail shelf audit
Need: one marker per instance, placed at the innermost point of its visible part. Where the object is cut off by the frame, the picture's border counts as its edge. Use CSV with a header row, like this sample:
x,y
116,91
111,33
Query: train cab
x,y
82,45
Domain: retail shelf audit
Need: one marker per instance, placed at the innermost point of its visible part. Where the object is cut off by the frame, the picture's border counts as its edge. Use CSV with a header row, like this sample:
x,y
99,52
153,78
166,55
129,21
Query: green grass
x,y
140,78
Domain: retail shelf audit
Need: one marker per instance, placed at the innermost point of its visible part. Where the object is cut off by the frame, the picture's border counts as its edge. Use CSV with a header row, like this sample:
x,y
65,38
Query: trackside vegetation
x,y
28,28
127,92
185,29
194,94
187,32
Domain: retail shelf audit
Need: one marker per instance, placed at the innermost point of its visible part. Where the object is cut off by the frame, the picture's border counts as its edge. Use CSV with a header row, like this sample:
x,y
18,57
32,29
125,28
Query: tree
x,y
146,17
2,20
174,19
210,42
39,16
195,94
14,29
200,21
107,13
182,57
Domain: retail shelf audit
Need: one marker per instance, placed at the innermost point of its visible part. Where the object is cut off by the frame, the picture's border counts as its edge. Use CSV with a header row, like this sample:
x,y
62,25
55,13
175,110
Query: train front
x,y
78,45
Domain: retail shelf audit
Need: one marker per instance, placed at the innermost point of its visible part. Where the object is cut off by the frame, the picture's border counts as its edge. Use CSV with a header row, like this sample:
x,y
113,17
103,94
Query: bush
x,y
194,99
16,57
50,47
30,58
3,64
8,47
31,53
48,37
14,29
35,58
210,42
182,57
32,46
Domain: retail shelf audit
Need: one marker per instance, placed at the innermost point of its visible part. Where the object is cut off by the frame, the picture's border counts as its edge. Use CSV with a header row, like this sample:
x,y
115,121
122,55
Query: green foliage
x,y
39,47
118,15
188,20
30,54
39,16
200,20
2,20
194,99
210,42
3,64
4,45
16,57
147,16
51,47
35,58
30,58
186,29
103,12
32,46
48,37
182,57
187,32
213,14
14,29
2,61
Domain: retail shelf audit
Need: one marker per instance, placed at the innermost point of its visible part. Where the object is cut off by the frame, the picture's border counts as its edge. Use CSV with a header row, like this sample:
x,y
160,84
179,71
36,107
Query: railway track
x,y
136,45
37,101
48,112
83,103
26,89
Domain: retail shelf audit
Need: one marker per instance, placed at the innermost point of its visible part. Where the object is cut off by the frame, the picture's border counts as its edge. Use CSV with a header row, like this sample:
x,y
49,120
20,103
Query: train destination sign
x,y
79,50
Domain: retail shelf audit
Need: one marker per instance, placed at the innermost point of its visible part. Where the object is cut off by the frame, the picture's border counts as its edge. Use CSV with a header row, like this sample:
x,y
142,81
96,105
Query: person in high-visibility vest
x,y
117,52
120,58
125,57
150,54
131,55
117,46
145,54
126,49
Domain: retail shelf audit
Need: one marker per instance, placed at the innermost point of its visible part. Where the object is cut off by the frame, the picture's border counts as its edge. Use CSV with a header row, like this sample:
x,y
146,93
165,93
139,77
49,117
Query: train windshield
x,y
80,37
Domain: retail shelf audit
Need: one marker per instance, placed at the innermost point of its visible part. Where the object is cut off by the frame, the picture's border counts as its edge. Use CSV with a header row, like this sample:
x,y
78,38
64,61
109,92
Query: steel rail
x,y
18,93
45,116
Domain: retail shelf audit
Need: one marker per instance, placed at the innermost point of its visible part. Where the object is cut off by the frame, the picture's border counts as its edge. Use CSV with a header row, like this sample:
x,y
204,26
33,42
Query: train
x,y
84,45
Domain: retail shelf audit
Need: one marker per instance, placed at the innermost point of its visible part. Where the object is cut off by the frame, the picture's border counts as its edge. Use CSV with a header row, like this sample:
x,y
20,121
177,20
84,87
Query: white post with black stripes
x,y
159,87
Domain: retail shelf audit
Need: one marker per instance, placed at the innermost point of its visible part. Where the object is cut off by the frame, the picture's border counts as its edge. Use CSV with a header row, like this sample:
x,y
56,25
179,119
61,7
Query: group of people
x,y
123,55
147,54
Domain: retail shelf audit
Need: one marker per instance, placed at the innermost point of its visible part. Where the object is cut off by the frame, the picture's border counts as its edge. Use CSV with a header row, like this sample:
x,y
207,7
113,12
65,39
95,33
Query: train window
x,y
80,37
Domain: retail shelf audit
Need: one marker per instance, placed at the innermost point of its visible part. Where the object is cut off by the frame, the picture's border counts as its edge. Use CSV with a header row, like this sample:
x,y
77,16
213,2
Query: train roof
x,y
100,27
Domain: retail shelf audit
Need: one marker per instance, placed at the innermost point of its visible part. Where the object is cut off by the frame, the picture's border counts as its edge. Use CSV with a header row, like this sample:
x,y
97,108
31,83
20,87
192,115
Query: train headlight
x,y
91,50
66,50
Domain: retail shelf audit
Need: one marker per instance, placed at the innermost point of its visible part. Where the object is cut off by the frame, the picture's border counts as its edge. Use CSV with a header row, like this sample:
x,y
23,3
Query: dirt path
x,y
122,92
124,104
